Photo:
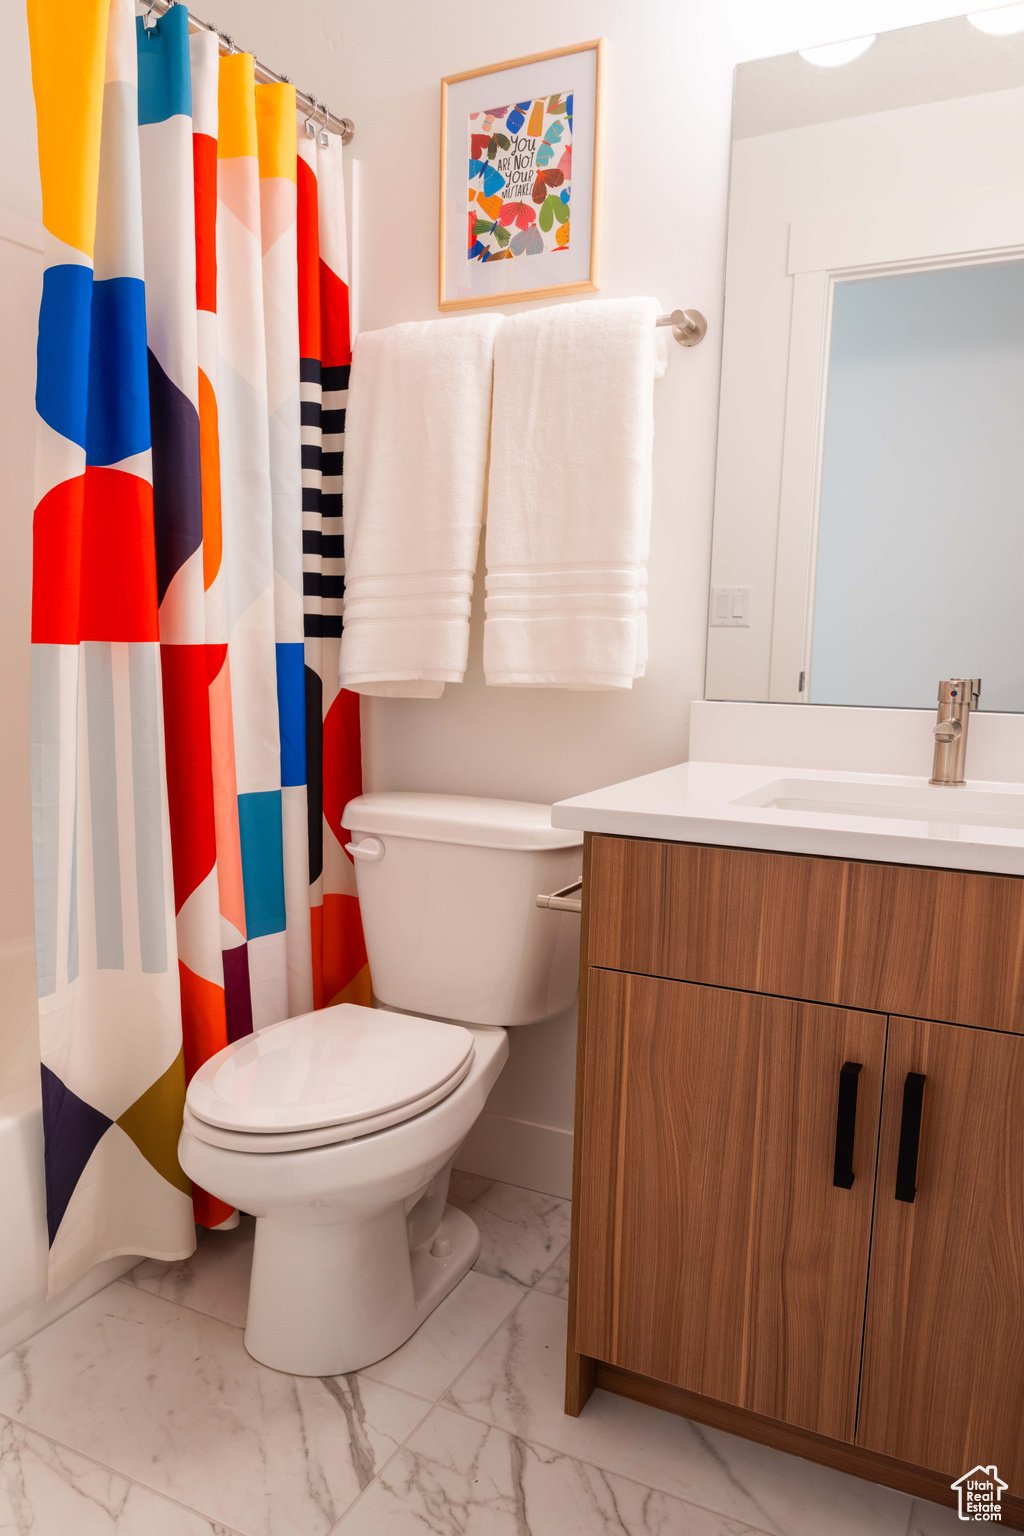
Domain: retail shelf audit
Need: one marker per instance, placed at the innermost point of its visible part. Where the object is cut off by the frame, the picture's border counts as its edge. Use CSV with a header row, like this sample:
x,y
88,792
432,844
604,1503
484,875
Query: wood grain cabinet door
x,y
943,1379
715,1251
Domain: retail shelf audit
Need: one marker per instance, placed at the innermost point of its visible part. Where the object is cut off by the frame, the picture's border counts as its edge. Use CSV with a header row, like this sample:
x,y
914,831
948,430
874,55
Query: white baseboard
x,y
38,1312
519,1152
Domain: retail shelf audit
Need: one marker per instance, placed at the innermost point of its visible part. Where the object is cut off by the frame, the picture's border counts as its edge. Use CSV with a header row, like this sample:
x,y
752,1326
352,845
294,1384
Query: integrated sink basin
x,y
995,807
887,818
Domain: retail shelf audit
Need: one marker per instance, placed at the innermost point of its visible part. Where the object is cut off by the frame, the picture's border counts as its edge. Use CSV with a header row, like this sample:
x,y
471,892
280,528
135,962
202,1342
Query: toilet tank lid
x,y
459,819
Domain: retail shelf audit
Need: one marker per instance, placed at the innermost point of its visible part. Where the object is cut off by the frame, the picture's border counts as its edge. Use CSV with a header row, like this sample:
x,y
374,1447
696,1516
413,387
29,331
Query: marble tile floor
x,y
140,1414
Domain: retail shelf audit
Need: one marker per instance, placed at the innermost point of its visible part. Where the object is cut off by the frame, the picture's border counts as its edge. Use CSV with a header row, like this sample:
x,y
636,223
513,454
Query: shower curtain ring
x,y
149,21
323,138
309,125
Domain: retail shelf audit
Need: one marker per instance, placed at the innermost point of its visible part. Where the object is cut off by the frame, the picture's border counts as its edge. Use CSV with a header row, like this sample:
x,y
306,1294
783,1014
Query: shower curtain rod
x,y
344,127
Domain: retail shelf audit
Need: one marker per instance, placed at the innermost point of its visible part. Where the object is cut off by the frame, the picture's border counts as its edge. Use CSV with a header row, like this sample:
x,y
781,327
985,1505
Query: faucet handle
x,y
954,690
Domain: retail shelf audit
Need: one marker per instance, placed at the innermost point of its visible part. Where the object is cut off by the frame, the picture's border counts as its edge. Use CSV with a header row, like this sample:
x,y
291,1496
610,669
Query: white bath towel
x,y
416,431
569,495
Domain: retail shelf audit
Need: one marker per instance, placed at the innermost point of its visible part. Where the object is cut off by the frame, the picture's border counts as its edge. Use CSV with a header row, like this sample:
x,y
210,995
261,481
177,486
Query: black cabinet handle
x,y
846,1124
910,1137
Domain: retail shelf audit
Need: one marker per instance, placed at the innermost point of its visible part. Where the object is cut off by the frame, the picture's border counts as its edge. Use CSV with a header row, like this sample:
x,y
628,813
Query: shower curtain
x,y
190,757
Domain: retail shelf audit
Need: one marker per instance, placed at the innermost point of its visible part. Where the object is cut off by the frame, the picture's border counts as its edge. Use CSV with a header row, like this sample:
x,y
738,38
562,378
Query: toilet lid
x,y
333,1067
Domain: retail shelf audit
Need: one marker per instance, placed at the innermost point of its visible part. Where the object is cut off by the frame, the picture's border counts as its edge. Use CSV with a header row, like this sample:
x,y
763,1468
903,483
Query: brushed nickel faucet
x,y
957,697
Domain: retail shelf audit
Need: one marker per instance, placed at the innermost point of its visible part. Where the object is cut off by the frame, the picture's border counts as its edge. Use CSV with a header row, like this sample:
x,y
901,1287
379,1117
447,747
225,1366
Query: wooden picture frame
x,y
468,282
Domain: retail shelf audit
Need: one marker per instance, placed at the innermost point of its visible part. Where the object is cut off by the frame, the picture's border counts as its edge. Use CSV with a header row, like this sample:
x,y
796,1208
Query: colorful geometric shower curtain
x,y
190,756
334,770
169,242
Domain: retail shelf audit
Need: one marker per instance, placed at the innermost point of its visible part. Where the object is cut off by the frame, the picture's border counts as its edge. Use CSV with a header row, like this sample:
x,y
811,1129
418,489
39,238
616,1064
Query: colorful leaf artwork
x,y
546,149
492,178
528,242
519,196
517,117
491,227
552,209
519,213
546,179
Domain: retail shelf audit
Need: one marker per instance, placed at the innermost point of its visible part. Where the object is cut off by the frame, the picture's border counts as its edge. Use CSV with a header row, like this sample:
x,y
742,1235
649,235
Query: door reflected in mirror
x,y
869,491
920,548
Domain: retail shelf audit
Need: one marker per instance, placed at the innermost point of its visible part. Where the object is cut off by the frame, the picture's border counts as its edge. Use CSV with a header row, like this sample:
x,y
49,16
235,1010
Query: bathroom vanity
x,y
799,1154
799,1177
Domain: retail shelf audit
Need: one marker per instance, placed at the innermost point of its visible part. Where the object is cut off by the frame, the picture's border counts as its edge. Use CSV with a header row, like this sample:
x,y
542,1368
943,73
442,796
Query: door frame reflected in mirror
x,y
907,160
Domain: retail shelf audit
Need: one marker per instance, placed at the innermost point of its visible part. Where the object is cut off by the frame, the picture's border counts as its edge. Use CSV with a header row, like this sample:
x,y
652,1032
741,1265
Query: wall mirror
x,y
869,501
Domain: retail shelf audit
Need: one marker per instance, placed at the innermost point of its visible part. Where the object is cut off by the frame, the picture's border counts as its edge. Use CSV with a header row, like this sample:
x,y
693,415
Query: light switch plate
x,y
730,608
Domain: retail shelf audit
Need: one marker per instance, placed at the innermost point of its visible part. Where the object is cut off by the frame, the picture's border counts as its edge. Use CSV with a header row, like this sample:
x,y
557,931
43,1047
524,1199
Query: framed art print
x,y
521,179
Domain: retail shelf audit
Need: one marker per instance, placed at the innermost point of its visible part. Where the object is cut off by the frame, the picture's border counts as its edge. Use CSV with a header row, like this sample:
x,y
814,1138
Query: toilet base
x,y
328,1298
435,1274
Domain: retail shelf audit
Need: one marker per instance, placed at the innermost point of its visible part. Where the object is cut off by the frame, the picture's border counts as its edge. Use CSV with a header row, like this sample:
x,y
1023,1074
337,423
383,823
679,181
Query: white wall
x,y
20,282
21,266
19,167
669,93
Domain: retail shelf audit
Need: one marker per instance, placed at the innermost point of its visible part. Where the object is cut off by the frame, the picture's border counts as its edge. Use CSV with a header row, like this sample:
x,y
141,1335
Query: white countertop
x,y
695,803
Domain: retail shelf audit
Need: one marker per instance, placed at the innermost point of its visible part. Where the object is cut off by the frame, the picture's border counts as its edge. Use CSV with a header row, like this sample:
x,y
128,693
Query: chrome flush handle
x,y
371,848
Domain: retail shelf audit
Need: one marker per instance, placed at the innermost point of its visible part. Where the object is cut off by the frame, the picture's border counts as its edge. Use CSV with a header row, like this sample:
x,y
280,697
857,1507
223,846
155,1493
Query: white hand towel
x,y
569,495
416,431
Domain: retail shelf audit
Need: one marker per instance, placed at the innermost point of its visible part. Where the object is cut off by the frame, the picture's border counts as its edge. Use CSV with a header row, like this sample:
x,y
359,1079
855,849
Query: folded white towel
x,y
419,408
569,495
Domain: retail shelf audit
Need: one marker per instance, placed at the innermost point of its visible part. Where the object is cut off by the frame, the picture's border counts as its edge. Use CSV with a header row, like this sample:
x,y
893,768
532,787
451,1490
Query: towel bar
x,y
688,326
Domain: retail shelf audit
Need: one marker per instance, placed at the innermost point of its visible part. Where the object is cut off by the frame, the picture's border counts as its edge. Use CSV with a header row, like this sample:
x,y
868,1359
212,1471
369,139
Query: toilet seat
x,y
322,1136
325,1077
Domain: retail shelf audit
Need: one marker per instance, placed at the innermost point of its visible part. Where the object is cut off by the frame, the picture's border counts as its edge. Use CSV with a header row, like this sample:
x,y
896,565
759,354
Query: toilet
x,y
337,1130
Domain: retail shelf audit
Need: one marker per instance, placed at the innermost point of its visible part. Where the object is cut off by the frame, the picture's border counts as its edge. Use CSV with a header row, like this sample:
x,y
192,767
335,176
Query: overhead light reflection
x,y
832,54
1000,23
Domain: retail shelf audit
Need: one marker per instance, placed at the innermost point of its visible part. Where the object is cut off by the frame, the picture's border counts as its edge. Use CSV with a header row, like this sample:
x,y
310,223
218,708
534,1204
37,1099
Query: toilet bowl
x,y
338,1130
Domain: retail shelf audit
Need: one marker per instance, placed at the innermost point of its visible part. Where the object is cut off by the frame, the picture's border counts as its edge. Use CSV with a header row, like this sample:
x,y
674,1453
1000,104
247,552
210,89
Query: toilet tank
x,y
448,887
